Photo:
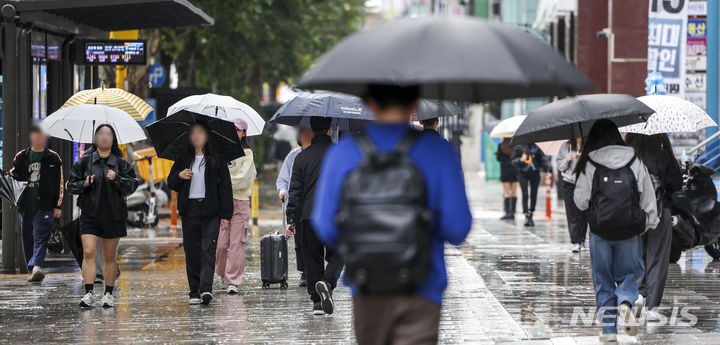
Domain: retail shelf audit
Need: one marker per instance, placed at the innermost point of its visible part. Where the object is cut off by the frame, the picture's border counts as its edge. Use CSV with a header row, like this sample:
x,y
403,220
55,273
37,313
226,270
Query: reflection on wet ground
x,y
508,284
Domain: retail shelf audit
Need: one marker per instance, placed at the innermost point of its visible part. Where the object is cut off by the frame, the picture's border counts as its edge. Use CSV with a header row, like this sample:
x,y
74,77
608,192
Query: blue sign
x,y
696,28
157,75
664,46
150,118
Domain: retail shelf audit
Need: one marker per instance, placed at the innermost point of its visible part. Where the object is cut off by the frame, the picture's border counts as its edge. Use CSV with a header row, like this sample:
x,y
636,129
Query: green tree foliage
x,y
255,42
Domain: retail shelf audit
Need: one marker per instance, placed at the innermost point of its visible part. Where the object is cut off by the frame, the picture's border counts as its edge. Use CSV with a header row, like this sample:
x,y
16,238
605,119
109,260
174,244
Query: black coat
x,y
539,160
50,194
124,184
218,199
305,172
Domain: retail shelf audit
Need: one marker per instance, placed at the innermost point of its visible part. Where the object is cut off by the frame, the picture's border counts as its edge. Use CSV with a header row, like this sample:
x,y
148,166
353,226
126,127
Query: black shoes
x,y
509,209
303,280
206,298
326,301
528,219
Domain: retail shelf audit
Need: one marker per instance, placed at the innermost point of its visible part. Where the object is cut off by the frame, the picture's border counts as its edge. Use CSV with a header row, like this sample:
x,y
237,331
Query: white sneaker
x,y
88,300
627,318
640,303
206,297
576,248
232,289
37,274
108,301
194,301
654,316
608,338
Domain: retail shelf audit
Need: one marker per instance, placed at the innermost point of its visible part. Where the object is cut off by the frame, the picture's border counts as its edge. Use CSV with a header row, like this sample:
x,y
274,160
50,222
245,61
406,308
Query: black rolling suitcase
x,y
274,258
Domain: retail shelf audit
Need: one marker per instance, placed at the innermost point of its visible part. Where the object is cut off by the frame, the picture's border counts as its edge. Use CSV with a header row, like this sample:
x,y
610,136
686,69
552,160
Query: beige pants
x,y
396,320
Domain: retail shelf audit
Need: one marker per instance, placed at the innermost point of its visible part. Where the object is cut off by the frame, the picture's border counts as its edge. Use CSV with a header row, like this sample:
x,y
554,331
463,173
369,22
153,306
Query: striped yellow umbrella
x,y
116,98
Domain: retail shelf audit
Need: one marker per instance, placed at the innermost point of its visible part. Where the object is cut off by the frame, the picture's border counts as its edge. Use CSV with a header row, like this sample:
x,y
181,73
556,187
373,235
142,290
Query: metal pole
x,y
9,60
713,21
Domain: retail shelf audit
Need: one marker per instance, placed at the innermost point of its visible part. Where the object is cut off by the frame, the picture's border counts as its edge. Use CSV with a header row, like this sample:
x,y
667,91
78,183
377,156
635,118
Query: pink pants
x,y
230,255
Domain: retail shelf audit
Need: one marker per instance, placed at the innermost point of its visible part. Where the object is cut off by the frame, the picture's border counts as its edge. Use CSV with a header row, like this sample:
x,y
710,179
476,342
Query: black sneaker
x,y
303,280
326,300
206,297
317,309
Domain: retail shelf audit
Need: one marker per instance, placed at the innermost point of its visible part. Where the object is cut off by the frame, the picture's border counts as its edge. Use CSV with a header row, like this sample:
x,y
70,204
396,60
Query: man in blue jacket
x,y
393,318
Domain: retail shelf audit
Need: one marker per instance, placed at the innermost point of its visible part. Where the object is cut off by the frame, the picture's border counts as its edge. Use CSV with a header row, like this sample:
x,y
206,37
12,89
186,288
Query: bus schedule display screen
x,y
115,52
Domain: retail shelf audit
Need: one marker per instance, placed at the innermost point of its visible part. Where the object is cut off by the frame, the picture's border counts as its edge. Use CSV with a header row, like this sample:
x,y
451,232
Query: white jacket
x,y
615,157
242,175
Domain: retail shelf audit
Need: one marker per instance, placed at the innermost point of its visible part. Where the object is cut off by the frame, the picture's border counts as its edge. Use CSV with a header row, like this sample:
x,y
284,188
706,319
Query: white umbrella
x,y
78,123
224,107
672,114
506,128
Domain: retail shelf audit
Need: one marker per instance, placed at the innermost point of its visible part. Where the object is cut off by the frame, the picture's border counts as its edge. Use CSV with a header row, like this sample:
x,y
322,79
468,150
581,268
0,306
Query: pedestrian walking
x,y
102,181
616,189
304,138
529,159
321,279
656,152
567,159
230,256
41,200
508,177
390,198
430,125
205,204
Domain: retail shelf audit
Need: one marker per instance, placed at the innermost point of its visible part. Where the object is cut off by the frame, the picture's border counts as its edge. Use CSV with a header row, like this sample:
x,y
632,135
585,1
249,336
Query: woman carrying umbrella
x,y
205,203
529,160
230,262
508,177
567,159
102,181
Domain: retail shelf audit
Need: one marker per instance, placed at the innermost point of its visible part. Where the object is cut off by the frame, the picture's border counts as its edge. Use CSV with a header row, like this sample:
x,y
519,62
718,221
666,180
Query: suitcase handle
x,y
284,222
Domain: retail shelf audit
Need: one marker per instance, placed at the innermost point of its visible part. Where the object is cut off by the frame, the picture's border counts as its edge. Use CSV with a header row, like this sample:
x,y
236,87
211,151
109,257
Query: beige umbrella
x,y
114,98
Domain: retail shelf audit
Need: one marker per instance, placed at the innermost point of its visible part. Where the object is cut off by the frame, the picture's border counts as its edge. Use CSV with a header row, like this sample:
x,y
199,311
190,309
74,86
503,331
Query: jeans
x,y
316,254
616,266
529,180
36,231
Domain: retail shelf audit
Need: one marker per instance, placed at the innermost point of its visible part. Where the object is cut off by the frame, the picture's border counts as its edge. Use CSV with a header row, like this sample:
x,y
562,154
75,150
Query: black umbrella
x,y
170,135
458,59
573,117
10,188
429,109
348,112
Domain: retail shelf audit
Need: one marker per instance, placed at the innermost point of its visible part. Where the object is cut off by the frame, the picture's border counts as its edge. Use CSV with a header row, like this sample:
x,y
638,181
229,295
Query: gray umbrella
x,y
573,117
348,112
428,109
457,59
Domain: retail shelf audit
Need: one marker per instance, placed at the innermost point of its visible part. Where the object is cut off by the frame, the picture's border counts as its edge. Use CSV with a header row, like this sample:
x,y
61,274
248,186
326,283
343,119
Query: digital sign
x,y
115,52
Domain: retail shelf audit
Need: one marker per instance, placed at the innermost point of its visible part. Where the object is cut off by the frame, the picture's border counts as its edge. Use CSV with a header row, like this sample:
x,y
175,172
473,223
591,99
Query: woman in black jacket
x,y
102,180
529,160
508,177
657,154
205,203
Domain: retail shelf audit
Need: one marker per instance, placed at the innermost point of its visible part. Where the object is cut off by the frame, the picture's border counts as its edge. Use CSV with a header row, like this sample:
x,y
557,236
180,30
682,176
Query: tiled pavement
x,y
508,284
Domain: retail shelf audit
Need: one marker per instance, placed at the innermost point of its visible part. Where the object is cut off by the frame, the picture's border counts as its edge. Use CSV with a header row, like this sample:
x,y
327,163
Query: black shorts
x,y
89,225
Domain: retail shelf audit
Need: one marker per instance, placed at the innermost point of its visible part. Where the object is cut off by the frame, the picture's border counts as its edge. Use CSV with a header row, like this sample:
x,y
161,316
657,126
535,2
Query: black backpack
x,y
384,220
615,212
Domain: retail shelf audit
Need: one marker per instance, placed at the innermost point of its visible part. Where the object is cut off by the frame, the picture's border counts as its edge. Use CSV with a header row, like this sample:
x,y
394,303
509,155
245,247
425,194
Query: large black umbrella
x,y
170,135
573,117
348,112
429,109
458,59
10,188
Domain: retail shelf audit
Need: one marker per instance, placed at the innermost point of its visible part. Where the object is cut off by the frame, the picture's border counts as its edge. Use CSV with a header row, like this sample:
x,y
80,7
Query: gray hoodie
x,y
615,157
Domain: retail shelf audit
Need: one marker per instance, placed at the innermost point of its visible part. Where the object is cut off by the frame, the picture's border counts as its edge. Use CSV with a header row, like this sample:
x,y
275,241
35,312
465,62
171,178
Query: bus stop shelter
x,y
39,72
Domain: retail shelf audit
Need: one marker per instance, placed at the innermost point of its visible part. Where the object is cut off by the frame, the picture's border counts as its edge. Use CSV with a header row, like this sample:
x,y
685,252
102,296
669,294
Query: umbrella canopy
x,y
506,128
551,148
672,114
223,107
78,123
170,135
323,104
10,188
429,109
457,59
115,98
572,117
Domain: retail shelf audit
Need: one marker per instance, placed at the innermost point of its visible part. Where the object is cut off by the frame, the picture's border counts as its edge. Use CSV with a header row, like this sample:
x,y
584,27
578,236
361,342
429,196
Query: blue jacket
x,y
438,162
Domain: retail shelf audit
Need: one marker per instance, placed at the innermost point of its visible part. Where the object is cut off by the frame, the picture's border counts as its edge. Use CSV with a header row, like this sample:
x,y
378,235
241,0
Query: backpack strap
x,y
632,160
407,142
364,143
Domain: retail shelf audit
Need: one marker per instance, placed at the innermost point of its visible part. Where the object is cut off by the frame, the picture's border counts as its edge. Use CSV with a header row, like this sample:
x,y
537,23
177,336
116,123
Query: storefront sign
x,y
697,98
667,31
115,52
697,8
695,82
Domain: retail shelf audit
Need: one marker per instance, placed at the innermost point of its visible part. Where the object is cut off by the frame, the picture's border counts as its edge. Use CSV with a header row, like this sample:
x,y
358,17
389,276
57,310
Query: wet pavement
x,y
508,284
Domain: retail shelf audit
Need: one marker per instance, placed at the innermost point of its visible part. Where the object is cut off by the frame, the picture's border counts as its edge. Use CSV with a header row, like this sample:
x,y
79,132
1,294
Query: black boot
x,y
506,202
528,219
513,203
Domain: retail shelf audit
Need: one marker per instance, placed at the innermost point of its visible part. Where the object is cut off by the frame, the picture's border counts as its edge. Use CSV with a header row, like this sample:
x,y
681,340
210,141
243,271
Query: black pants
x,y
299,259
529,183
200,234
576,220
656,252
315,253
